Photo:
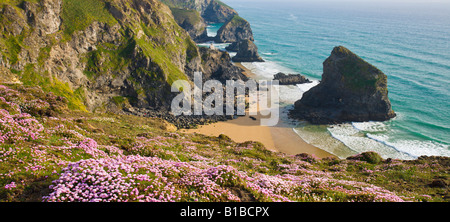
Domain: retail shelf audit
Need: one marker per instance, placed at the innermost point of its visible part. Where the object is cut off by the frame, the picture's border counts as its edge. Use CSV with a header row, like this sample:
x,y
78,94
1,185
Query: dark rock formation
x,y
247,52
191,21
234,30
351,90
213,11
290,79
218,12
217,65
233,47
125,54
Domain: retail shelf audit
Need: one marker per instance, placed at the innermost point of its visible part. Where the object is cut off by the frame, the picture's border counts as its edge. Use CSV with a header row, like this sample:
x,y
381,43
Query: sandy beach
x,y
278,138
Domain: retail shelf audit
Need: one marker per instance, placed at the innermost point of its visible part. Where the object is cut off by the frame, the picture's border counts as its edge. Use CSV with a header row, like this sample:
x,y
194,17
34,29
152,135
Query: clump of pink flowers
x,y
154,168
18,127
10,185
136,178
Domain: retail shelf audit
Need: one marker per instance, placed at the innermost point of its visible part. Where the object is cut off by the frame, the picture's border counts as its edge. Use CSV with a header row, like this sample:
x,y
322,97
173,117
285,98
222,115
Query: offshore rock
x,y
351,90
290,79
247,52
235,30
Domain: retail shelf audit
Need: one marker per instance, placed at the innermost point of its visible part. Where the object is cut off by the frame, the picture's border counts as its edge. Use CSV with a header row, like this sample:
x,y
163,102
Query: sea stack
x,y
235,30
351,90
247,52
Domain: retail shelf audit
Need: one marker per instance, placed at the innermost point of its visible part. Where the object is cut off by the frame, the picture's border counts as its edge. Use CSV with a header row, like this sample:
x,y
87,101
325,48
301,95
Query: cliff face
x,y
218,65
235,30
218,12
101,55
213,11
247,52
351,90
191,21
93,51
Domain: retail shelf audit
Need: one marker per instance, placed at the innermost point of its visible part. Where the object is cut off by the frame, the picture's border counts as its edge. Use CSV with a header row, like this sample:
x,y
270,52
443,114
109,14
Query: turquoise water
x,y
410,43
213,28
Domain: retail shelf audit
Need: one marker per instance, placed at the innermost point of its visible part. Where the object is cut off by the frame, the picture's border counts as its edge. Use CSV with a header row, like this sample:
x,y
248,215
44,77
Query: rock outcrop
x,y
247,52
351,90
290,79
218,65
235,30
100,54
218,12
191,21
213,11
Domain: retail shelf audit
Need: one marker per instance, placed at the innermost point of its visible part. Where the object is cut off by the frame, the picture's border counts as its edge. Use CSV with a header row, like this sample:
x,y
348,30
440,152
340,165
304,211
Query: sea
x,y
408,40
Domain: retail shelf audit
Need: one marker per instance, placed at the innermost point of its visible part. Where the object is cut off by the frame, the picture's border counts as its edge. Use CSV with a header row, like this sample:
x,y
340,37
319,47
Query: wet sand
x,y
280,138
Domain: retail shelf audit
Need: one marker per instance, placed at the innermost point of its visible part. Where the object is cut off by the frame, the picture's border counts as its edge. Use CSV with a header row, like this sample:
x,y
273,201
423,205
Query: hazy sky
x,y
403,1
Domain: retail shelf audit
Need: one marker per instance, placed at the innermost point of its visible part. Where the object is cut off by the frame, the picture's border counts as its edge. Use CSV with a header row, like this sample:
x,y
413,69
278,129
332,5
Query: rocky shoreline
x,y
291,79
182,121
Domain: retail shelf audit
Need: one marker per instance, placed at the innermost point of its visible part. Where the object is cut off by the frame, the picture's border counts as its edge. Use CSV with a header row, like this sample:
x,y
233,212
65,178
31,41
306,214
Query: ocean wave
x,y
371,126
269,53
266,70
379,137
359,142
307,86
415,148
347,139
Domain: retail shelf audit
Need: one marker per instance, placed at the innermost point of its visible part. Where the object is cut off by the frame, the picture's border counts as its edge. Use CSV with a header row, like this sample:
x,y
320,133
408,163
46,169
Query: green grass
x,y
108,58
30,77
357,74
14,46
189,15
162,54
405,178
17,2
191,50
79,14
236,20
179,3
223,4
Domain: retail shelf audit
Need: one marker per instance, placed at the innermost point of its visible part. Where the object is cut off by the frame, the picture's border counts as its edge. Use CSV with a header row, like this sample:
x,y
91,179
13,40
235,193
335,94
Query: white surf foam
x,y
220,46
414,148
379,137
359,142
371,126
269,53
347,139
289,94
266,70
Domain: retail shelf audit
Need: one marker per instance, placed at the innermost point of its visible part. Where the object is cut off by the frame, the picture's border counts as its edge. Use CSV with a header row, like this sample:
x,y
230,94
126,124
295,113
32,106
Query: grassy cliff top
x,y
237,20
357,74
189,15
49,153
190,4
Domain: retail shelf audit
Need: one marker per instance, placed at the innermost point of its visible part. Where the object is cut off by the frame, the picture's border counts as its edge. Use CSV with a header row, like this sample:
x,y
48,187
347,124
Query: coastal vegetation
x,y
49,152
73,74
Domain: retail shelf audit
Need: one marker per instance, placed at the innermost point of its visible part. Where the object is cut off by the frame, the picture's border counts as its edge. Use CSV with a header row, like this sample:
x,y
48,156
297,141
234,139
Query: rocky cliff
x,y
101,55
351,90
235,30
247,51
213,11
218,65
191,21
